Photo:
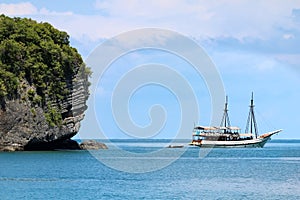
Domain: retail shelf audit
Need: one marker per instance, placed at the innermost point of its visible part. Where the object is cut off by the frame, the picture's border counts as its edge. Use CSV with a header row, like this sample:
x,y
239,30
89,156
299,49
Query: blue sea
x,y
145,169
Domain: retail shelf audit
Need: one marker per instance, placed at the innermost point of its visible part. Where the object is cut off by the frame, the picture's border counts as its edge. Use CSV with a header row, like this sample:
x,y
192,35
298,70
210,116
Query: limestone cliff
x,y
43,86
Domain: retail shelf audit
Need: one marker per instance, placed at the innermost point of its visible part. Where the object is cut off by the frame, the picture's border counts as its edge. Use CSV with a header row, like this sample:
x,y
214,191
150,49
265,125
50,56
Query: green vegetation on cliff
x,y
37,64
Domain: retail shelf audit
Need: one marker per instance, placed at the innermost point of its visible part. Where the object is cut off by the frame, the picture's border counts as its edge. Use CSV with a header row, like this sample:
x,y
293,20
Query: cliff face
x,y
43,92
25,128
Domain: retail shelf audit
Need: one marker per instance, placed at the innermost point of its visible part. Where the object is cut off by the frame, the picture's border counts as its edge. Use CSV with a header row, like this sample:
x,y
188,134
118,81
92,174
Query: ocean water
x,y
272,172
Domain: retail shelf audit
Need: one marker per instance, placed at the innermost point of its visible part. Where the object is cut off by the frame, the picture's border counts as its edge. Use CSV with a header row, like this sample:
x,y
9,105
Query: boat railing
x,y
217,131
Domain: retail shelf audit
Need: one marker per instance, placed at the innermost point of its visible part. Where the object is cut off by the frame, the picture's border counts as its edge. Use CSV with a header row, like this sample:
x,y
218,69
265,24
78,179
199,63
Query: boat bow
x,y
269,134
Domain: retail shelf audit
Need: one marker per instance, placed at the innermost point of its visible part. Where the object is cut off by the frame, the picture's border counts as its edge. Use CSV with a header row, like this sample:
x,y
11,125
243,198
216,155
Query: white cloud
x,y
288,36
44,11
25,8
225,18
149,9
291,59
203,19
266,65
28,9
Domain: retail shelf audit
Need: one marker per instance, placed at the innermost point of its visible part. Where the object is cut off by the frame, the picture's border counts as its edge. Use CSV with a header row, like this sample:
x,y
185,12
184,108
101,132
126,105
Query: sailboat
x,y
230,136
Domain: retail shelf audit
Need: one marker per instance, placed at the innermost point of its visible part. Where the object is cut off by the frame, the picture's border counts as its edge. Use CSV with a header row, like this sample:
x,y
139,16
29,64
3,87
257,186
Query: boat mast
x,y
225,120
251,122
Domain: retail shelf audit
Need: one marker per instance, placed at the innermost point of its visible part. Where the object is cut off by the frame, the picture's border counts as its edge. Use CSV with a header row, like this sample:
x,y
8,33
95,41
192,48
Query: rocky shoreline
x,y
67,144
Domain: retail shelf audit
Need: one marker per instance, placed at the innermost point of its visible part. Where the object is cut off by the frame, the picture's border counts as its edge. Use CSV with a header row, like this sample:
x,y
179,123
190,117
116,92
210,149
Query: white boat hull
x,y
253,143
241,143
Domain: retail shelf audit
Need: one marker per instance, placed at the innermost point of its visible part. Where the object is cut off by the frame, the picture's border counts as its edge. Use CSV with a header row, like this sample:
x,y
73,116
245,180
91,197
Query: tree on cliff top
x,y
36,56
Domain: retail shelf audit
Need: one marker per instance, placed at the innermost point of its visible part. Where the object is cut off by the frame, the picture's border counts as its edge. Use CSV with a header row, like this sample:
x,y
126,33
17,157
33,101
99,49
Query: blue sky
x,y
255,47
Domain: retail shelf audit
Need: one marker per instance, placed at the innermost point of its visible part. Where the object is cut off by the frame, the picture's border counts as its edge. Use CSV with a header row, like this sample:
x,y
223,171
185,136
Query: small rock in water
x,y
92,145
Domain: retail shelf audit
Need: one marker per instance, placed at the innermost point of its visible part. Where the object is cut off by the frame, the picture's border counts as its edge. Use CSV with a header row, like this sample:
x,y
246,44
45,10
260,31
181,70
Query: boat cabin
x,y
216,133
